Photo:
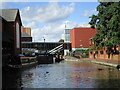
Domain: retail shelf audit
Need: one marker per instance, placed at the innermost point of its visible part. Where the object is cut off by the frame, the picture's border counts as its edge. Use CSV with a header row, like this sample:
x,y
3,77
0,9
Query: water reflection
x,y
64,75
95,76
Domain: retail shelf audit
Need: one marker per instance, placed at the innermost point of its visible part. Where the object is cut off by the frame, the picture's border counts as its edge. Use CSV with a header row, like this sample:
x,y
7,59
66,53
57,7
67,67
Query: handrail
x,y
56,48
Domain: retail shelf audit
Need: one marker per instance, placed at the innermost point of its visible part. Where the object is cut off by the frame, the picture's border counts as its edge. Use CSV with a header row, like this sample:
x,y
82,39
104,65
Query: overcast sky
x,y
48,19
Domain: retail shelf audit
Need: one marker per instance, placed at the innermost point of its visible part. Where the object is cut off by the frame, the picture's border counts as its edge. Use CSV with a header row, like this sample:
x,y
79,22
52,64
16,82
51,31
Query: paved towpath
x,y
104,60
113,63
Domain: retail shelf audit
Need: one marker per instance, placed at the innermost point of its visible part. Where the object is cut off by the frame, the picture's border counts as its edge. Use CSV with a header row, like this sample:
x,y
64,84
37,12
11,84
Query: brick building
x,y
101,53
26,34
11,33
80,36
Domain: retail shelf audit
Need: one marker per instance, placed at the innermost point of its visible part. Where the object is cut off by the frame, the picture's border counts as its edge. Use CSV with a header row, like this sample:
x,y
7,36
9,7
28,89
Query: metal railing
x,y
56,49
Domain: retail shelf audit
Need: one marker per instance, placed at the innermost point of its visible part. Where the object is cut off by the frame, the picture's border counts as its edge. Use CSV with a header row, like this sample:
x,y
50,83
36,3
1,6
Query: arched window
x,y
17,36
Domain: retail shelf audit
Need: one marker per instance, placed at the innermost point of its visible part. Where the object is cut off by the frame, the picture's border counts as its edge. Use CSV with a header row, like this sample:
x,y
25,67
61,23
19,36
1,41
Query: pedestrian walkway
x,y
103,60
69,58
112,63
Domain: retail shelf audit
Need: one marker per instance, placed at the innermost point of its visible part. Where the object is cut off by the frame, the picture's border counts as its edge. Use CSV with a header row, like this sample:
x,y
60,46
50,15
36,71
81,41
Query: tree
x,y
61,40
107,23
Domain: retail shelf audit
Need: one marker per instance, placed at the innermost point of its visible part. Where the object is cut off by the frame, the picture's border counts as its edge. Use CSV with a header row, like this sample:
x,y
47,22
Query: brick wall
x,y
104,55
79,37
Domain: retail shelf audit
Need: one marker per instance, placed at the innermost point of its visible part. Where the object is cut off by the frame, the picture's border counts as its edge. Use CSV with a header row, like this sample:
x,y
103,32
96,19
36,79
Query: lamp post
x,y
44,39
44,44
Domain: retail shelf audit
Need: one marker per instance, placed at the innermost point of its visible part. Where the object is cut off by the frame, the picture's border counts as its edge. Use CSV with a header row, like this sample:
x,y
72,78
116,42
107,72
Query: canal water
x,y
63,75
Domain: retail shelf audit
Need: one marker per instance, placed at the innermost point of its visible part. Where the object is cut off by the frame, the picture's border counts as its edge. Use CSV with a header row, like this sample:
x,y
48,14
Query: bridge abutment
x,y
45,59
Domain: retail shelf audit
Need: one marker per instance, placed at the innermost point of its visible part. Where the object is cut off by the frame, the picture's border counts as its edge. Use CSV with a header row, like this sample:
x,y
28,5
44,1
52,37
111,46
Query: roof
x,y
9,14
82,28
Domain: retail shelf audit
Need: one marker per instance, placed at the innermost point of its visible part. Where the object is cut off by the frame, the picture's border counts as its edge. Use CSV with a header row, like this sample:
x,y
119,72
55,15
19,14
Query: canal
x,y
80,74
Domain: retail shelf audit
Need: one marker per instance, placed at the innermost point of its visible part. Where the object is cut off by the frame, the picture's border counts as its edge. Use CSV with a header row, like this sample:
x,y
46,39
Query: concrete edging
x,y
93,61
104,63
70,60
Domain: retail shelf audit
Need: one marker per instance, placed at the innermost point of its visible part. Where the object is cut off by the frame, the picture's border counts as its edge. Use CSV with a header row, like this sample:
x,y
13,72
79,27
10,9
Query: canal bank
x,y
97,61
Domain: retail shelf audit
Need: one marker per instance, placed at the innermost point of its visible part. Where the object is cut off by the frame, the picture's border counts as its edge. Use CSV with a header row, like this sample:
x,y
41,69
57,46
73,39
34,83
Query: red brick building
x,y
80,36
101,53
26,34
11,32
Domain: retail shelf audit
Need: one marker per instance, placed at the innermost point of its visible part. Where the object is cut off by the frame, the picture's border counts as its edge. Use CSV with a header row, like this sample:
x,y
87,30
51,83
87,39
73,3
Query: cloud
x,y
70,24
49,13
88,13
55,0
84,24
53,32
32,25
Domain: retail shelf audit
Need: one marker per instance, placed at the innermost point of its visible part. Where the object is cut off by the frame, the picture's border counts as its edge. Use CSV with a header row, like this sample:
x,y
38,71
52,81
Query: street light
x,y
44,43
44,39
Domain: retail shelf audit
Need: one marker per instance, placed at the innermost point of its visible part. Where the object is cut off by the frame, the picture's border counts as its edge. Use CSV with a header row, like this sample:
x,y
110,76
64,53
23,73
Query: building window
x,y
67,35
91,52
101,52
17,36
96,52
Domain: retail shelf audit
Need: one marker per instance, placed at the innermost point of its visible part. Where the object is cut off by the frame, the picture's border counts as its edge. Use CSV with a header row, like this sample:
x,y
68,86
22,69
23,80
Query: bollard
x,y
118,67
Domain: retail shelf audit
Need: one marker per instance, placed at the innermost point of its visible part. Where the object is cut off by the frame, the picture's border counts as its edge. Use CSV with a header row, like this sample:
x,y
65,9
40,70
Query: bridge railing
x,y
58,48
